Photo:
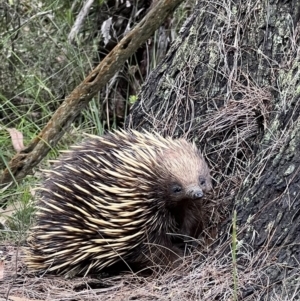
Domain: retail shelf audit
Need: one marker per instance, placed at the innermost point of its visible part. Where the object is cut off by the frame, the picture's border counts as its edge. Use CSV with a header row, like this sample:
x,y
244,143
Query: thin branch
x,y
79,20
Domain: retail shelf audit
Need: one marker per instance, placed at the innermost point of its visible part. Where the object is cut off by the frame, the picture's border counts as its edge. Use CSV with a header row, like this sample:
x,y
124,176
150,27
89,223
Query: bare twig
x,y
79,20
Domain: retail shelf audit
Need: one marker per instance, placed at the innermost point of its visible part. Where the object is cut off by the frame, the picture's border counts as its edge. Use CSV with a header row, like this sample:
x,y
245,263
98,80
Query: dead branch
x,y
79,20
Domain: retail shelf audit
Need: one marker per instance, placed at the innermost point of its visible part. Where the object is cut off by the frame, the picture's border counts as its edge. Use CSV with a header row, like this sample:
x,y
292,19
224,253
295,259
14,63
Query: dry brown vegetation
x,y
203,276
231,128
196,279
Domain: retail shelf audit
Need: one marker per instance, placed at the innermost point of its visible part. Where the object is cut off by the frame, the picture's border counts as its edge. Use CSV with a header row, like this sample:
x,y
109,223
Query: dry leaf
x,y
16,138
105,30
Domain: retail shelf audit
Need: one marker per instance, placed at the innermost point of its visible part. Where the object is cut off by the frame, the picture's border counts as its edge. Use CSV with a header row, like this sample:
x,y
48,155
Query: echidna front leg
x,y
162,252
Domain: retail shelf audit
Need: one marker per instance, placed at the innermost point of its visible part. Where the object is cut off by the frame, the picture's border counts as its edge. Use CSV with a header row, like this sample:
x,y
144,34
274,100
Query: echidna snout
x,y
195,193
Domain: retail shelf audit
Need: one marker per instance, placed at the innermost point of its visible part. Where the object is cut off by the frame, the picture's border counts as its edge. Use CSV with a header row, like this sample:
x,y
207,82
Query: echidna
x,y
118,197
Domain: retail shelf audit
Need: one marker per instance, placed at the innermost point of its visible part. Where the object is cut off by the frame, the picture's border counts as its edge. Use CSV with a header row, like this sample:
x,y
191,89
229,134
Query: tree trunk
x,y
231,82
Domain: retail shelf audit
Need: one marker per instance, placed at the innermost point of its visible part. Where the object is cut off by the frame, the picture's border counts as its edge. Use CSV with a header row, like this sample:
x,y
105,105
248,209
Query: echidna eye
x,y
176,188
202,181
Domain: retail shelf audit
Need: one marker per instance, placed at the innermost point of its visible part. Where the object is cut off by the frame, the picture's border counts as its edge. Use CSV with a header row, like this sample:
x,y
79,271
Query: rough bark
x,y
231,81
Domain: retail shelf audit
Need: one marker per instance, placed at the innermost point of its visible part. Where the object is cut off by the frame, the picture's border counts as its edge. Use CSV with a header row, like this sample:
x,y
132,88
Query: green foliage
x,y
17,214
132,99
39,67
22,216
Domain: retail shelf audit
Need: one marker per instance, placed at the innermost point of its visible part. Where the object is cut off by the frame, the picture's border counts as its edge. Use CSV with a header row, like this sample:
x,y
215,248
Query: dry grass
x,y
203,276
231,135
196,279
230,130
